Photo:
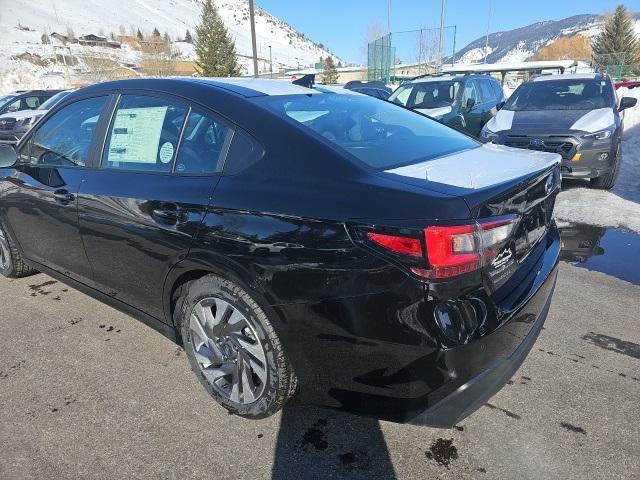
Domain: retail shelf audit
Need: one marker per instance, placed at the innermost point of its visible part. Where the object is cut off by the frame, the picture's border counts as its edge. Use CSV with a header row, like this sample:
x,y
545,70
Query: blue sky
x,y
342,24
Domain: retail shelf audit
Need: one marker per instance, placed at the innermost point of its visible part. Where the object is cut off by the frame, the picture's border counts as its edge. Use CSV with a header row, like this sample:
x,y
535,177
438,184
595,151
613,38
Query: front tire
x,y
233,349
608,180
11,263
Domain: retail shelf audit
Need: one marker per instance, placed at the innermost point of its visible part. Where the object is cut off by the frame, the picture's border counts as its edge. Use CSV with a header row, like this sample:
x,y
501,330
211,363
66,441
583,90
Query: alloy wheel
x,y
228,350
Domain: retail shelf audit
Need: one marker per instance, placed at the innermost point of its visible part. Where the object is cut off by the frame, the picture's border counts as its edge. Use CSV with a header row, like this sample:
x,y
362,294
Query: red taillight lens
x,y
397,244
458,249
451,250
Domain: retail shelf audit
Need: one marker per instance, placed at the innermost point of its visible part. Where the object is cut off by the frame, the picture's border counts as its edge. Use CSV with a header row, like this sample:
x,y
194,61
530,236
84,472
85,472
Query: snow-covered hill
x,y
289,47
521,43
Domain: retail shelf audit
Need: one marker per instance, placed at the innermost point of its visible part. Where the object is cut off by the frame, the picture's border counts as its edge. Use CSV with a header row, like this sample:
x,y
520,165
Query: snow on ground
x,y
620,207
17,75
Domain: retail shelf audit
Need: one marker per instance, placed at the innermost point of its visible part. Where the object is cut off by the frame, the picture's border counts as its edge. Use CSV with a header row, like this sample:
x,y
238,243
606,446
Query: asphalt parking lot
x,y
87,392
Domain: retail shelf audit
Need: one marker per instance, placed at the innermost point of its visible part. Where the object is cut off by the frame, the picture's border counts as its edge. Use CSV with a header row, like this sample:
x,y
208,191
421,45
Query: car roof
x,y
449,77
247,87
569,76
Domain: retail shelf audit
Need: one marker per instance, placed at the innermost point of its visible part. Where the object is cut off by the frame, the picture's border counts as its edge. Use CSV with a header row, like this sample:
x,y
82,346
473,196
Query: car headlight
x,y
601,135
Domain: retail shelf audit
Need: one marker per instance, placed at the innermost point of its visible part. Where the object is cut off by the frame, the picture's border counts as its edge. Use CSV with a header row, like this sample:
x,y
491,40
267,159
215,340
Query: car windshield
x,y
51,102
570,94
379,134
432,94
6,99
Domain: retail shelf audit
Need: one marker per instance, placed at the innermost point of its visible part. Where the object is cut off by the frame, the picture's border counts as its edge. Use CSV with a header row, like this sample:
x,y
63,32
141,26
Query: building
x,y
92,40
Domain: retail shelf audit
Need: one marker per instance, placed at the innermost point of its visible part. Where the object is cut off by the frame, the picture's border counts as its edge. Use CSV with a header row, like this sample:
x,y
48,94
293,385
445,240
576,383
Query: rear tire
x,y
241,362
608,180
11,263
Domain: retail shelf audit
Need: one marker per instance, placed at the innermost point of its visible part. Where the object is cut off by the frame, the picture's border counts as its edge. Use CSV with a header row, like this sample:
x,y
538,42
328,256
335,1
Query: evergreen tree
x,y
139,35
617,43
167,38
215,49
329,74
156,32
44,38
187,37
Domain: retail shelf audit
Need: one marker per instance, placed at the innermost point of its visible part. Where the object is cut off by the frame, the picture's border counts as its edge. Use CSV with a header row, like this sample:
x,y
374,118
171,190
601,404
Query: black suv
x,y
25,100
292,240
465,102
576,115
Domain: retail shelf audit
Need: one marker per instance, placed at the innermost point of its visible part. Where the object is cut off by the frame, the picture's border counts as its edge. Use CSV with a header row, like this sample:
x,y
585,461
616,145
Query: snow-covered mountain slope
x,y
289,47
521,43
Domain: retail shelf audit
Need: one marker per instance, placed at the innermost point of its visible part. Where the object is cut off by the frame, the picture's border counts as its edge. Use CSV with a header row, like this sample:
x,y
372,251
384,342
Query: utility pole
x,y
440,46
253,39
486,43
270,62
389,17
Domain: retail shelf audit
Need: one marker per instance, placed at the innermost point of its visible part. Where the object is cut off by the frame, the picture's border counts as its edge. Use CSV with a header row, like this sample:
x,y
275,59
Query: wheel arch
x,y
200,264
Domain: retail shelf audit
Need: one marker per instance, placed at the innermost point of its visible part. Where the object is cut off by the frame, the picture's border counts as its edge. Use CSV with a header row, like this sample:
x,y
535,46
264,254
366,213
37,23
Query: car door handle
x,y
63,196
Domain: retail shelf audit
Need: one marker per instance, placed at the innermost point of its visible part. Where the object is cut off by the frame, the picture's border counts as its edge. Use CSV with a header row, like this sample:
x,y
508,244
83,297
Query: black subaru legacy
x,y
331,246
577,116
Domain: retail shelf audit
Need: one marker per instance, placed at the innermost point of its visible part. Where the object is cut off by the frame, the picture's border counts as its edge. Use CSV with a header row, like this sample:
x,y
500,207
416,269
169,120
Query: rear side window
x,y
203,144
144,134
32,102
487,92
64,139
497,90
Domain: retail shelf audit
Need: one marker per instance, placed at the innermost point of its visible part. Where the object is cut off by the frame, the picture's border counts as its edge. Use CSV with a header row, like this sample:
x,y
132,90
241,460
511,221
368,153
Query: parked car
x,y
24,100
577,116
464,102
334,245
630,84
14,125
373,88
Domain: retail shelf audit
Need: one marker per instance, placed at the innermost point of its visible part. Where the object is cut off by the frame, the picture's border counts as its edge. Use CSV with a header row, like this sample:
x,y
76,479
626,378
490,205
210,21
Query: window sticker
x,y
136,135
166,152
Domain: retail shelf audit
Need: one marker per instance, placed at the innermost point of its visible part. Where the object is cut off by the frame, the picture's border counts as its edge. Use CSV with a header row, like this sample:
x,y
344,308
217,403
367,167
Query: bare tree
x,y
374,32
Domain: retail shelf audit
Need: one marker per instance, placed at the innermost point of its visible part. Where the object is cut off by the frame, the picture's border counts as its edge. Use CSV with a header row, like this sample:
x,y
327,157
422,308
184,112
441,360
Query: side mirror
x,y
8,155
627,102
499,105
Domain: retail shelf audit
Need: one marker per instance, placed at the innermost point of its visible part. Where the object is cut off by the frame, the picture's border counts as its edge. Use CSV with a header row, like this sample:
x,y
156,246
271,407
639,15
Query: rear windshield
x,y
379,134
570,94
426,94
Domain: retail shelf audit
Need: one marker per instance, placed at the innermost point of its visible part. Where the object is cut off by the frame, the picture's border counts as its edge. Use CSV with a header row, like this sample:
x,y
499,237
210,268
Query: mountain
x,y
22,22
521,43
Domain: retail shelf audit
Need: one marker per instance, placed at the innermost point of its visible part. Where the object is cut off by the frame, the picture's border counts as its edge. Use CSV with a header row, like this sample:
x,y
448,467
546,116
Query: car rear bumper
x,y
379,355
470,396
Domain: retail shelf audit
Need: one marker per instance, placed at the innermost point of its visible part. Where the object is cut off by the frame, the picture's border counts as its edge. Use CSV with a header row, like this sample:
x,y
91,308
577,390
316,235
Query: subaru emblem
x,y
537,142
549,184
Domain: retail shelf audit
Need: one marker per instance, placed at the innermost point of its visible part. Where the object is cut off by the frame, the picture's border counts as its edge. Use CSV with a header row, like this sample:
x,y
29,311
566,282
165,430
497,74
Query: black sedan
x,y
347,250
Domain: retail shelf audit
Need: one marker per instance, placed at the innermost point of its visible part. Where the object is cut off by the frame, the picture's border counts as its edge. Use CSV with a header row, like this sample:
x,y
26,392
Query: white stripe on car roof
x,y
570,76
265,86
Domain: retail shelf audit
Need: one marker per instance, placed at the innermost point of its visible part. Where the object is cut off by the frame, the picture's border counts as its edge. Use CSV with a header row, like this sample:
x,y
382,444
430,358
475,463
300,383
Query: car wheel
x,y
608,181
233,348
11,263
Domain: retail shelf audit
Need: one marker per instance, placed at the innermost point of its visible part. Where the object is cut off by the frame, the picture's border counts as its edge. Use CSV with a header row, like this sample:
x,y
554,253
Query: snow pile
x,y
16,75
620,207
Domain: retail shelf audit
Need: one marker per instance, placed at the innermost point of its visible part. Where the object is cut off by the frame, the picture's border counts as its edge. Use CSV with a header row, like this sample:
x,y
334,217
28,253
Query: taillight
x,y
458,249
397,244
451,250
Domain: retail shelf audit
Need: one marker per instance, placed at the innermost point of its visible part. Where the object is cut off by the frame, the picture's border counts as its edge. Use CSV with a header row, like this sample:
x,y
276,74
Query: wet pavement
x,y
607,250
87,392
